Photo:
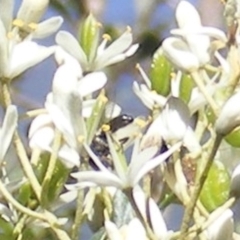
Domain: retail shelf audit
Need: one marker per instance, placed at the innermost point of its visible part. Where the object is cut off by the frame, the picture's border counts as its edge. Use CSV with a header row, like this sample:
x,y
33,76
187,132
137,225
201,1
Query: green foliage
x,y
6,230
53,187
186,86
216,188
233,138
160,73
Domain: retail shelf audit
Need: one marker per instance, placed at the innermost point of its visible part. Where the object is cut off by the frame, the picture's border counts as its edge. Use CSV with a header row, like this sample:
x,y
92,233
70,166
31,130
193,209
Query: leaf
x,y
160,73
233,138
52,188
216,188
186,86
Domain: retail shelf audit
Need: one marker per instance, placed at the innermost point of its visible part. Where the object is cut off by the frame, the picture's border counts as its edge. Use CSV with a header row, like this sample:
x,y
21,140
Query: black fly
x,y
99,144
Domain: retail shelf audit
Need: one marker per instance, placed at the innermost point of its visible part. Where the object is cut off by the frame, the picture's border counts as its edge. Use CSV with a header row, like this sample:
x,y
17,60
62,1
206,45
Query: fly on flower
x,y
116,127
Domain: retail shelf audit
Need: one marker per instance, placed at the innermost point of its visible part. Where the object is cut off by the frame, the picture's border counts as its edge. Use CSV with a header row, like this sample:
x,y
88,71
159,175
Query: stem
x,y
202,88
53,159
78,217
21,152
18,206
198,187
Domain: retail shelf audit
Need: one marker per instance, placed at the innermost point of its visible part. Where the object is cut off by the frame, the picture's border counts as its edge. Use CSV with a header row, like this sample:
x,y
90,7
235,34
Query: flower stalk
x,y
198,185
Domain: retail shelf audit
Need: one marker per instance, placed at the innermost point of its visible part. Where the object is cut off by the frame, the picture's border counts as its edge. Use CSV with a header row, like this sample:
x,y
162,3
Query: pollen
x,y
81,139
140,122
18,23
33,26
107,37
105,128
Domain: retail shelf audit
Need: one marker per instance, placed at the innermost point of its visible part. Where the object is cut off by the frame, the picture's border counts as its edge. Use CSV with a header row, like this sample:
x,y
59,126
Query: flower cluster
x,y
121,172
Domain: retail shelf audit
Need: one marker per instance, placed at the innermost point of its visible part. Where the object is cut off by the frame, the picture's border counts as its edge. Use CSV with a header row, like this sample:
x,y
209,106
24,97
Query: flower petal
x,y
176,50
154,163
31,11
187,16
6,7
48,27
222,228
4,48
69,43
91,83
26,55
229,117
103,179
112,231
157,222
116,48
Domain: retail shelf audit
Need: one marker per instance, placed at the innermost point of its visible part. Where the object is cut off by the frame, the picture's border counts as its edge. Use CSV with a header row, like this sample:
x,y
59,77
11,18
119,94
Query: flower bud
x,y
229,117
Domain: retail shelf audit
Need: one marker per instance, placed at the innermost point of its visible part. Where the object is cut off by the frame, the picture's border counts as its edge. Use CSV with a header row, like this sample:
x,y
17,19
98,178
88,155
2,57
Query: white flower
x,y
172,125
172,122
41,136
17,56
65,110
142,161
192,42
116,52
7,130
197,100
28,16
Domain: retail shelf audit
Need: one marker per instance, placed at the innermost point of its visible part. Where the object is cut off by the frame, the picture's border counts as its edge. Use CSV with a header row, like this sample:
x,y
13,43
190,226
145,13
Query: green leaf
x,y
216,188
89,36
42,166
6,230
186,86
160,73
25,193
233,138
52,188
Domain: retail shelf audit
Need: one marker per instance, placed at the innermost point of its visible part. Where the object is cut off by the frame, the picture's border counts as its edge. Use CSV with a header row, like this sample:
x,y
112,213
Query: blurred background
x,y
150,21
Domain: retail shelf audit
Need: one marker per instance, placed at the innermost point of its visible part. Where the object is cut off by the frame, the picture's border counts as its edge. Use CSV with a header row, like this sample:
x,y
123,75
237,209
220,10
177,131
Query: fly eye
x,y
119,122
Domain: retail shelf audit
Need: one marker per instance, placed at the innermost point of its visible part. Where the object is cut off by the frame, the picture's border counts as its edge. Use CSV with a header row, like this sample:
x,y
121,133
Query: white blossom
x,y
192,41
116,52
64,107
142,161
151,99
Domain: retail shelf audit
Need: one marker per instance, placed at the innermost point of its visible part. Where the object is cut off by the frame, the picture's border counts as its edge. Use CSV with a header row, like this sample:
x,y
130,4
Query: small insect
x,y
99,144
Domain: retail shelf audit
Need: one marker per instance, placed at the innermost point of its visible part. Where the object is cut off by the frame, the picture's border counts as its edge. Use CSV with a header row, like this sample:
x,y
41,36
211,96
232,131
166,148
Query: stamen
x,y
18,23
106,37
105,127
